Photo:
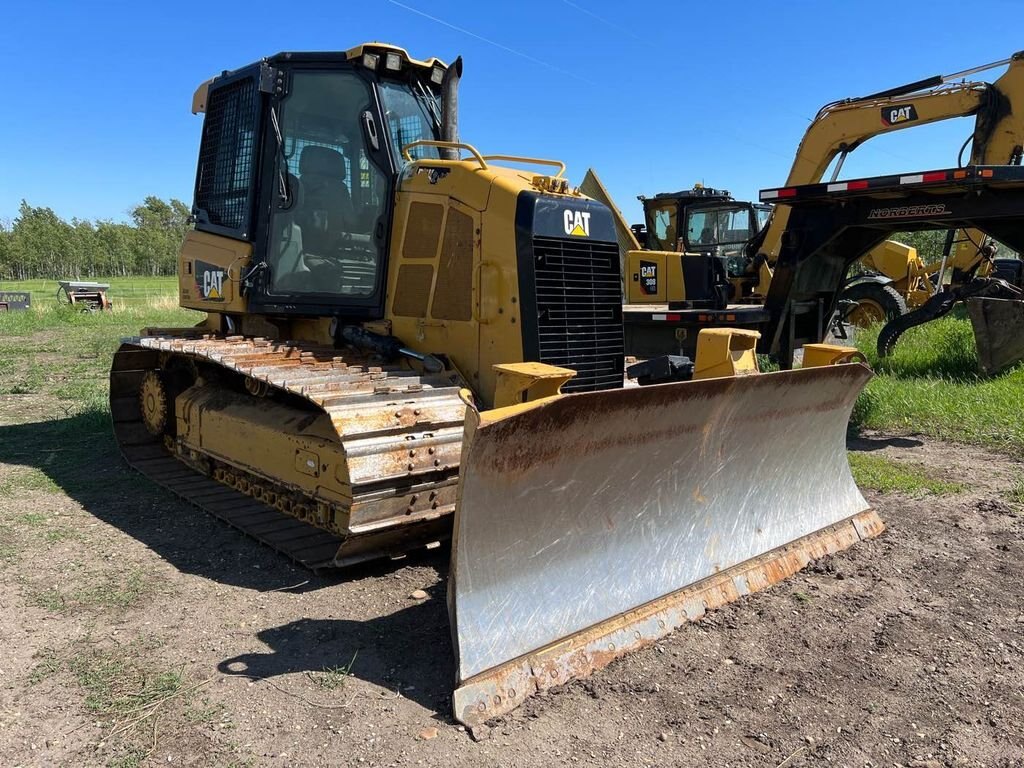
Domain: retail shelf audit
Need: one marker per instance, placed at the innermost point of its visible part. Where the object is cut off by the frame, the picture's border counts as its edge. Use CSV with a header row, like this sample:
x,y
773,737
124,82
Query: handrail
x,y
481,159
444,145
521,159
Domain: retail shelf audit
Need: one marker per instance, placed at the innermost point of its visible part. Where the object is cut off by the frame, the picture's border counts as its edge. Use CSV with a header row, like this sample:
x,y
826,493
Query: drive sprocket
x,y
153,403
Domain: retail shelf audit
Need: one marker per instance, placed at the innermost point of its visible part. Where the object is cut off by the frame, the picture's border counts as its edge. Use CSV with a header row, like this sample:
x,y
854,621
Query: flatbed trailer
x,y
651,329
831,225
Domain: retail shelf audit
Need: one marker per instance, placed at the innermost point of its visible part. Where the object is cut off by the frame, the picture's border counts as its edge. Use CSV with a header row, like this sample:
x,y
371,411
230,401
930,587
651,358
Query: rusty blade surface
x,y
589,506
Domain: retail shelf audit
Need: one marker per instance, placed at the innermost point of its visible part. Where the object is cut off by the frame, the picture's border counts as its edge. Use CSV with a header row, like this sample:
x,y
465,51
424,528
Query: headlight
x,y
393,61
437,75
371,60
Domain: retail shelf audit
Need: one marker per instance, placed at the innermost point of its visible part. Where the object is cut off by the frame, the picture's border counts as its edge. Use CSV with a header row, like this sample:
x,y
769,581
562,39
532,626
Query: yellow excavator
x,y
406,339
733,246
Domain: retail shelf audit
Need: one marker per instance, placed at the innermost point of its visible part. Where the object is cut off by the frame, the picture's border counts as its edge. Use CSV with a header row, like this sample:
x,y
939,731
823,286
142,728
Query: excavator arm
x,y
840,127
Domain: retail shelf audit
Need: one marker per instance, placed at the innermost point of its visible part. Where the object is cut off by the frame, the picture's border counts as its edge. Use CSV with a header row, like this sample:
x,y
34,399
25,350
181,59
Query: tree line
x,y
40,244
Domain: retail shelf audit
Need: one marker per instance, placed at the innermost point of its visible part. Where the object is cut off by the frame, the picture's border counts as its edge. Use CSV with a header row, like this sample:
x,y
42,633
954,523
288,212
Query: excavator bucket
x,y
998,332
589,525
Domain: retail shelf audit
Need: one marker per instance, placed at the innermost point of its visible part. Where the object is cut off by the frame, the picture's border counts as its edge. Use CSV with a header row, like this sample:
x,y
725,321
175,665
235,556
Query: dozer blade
x,y
589,525
998,332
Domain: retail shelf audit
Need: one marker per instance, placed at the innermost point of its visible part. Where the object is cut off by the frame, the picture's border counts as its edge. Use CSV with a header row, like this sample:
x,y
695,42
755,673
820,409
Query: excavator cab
x,y
724,229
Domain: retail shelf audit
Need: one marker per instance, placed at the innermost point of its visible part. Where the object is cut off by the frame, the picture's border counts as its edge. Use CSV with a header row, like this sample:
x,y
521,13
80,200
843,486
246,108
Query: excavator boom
x,y
841,127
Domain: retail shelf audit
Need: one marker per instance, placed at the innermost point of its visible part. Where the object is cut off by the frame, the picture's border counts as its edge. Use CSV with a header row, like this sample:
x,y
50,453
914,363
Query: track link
x,y
401,432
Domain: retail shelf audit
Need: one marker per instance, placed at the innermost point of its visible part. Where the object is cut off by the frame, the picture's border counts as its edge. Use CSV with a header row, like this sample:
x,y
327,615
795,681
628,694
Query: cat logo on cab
x,y
577,223
209,281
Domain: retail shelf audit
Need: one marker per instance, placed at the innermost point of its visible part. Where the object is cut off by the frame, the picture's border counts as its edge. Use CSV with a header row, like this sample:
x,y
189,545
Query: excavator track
x,y
399,430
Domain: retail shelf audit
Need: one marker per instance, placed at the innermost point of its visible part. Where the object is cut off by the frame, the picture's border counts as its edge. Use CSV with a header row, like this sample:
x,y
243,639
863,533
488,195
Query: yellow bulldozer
x,y
732,246
406,339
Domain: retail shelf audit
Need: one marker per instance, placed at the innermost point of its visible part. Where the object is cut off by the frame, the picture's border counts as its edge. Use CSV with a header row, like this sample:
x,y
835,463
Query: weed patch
x,y
49,599
33,519
49,664
26,479
117,591
8,548
57,535
332,678
1015,492
126,689
116,684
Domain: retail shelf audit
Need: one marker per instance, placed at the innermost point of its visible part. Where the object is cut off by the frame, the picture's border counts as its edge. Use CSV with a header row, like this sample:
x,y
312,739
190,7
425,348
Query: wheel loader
x,y
406,339
726,274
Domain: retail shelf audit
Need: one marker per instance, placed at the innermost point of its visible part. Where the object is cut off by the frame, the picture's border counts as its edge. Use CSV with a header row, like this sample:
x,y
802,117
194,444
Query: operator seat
x,y
326,213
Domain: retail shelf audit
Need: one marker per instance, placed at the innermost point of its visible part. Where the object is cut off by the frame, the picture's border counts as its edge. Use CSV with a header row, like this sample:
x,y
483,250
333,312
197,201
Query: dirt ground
x,y
906,650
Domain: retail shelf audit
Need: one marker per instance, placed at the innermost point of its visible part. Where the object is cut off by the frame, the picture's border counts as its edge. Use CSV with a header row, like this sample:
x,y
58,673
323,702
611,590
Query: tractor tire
x,y
876,303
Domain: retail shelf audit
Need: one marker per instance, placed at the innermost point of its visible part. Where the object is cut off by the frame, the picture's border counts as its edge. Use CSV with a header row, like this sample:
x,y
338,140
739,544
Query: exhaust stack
x,y
450,108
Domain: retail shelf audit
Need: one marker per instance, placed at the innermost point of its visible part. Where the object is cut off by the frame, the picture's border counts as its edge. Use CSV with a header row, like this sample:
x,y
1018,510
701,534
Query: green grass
x,y
931,386
34,519
117,680
118,591
127,688
49,599
124,291
56,535
117,683
883,474
133,757
206,711
27,480
1015,492
8,547
53,351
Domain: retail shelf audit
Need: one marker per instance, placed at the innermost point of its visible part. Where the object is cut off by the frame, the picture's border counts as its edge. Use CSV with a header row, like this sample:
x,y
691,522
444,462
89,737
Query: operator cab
x,y
702,220
300,156
724,229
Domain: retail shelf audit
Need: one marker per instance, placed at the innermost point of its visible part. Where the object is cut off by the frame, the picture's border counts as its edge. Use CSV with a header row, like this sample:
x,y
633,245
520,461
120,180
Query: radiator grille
x,y
579,310
226,155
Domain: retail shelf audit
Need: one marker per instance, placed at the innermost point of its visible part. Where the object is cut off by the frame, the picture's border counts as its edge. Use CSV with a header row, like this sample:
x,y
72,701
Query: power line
x,y
513,51
603,20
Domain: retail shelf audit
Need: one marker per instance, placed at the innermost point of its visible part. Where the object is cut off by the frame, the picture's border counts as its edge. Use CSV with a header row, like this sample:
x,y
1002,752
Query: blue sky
x,y
654,97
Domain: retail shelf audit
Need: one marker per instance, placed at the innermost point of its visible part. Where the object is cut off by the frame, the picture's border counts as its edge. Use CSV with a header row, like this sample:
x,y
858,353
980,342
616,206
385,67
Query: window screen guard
x,y
223,196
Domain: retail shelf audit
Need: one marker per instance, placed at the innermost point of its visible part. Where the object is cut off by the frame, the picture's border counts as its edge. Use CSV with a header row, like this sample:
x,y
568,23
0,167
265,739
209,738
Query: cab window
x,y
329,195
411,115
663,227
